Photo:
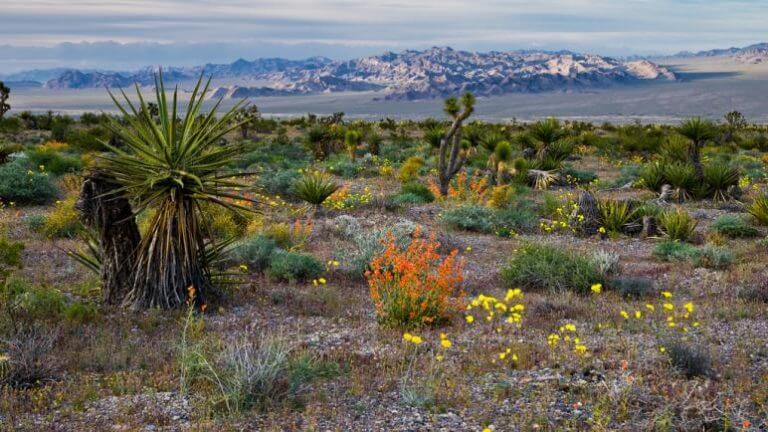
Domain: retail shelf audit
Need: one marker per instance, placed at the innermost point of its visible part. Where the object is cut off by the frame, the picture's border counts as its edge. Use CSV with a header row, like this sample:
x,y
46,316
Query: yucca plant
x,y
759,209
677,224
315,188
699,132
171,164
616,215
719,179
682,177
652,176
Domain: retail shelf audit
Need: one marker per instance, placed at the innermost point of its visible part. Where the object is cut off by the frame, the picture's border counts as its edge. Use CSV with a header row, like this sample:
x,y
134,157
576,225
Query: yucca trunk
x,y
112,219
171,258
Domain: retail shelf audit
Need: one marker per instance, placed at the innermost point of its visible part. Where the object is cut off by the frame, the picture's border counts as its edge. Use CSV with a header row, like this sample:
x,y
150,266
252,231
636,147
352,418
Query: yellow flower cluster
x,y
410,338
567,336
566,217
508,308
673,316
343,199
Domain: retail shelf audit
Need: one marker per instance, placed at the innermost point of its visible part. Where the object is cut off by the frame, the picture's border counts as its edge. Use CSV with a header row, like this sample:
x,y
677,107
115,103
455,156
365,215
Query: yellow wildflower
x,y
470,319
597,288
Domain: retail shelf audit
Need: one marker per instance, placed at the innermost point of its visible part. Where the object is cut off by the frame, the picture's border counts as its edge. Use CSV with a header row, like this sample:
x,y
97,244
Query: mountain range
x,y
409,75
752,54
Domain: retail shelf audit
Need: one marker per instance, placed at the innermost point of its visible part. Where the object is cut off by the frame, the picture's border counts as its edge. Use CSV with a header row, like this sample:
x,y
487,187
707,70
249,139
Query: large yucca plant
x,y
172,163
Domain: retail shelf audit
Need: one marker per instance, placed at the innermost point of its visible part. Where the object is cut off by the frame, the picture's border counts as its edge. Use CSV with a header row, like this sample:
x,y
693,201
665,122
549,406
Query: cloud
x,y
345,28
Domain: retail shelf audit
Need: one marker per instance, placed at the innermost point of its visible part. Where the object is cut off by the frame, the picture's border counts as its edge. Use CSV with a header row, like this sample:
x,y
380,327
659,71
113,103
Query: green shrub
x,y
476,218
551,268
411,169
734,227
634,287
294,267
255,251
418,189
315,188
676,148
759,209
677,224
80,312
53,161
35,222
278,182
712,257
63,221
573,175
671,250
23,186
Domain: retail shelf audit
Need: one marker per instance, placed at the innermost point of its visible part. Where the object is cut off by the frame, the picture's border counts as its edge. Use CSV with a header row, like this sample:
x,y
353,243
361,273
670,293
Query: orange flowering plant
x,y
414,286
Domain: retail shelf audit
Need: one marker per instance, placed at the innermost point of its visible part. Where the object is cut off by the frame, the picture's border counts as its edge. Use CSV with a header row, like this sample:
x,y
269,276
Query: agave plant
x,y
616,215
677,224
759,209
315,188
171,164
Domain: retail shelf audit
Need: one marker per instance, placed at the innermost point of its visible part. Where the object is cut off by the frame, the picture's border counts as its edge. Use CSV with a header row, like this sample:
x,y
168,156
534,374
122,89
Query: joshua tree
x,y
374,139
449,164
699,132
173,166
501,156
734,122
351,142
4,94
246,117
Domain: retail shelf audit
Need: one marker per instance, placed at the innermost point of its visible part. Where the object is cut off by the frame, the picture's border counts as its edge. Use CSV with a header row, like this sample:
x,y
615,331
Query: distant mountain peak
x,y
438,71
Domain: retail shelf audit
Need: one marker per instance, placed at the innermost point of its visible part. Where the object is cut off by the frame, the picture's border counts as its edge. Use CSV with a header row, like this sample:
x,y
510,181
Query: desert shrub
x,y
23,186
54,161
80,312
551,268
757,293
341,165
35,222
607,263
250,375
418,189
90,139
628,175
30,359
294,267
734,227
411,169
278,182
615,215
634,287
671,250
505,196
254,251
574,176
63,220
677,224
368,244
712,257
413,286
315,188
6,150
470,217
758,209
691,360
477,218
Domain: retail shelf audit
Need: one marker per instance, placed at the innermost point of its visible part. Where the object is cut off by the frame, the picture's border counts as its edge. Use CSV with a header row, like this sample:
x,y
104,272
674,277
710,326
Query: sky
x,y
128,34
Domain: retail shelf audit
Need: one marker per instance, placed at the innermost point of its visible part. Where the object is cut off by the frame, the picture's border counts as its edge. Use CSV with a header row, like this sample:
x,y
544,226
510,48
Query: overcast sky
x,y
126,34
